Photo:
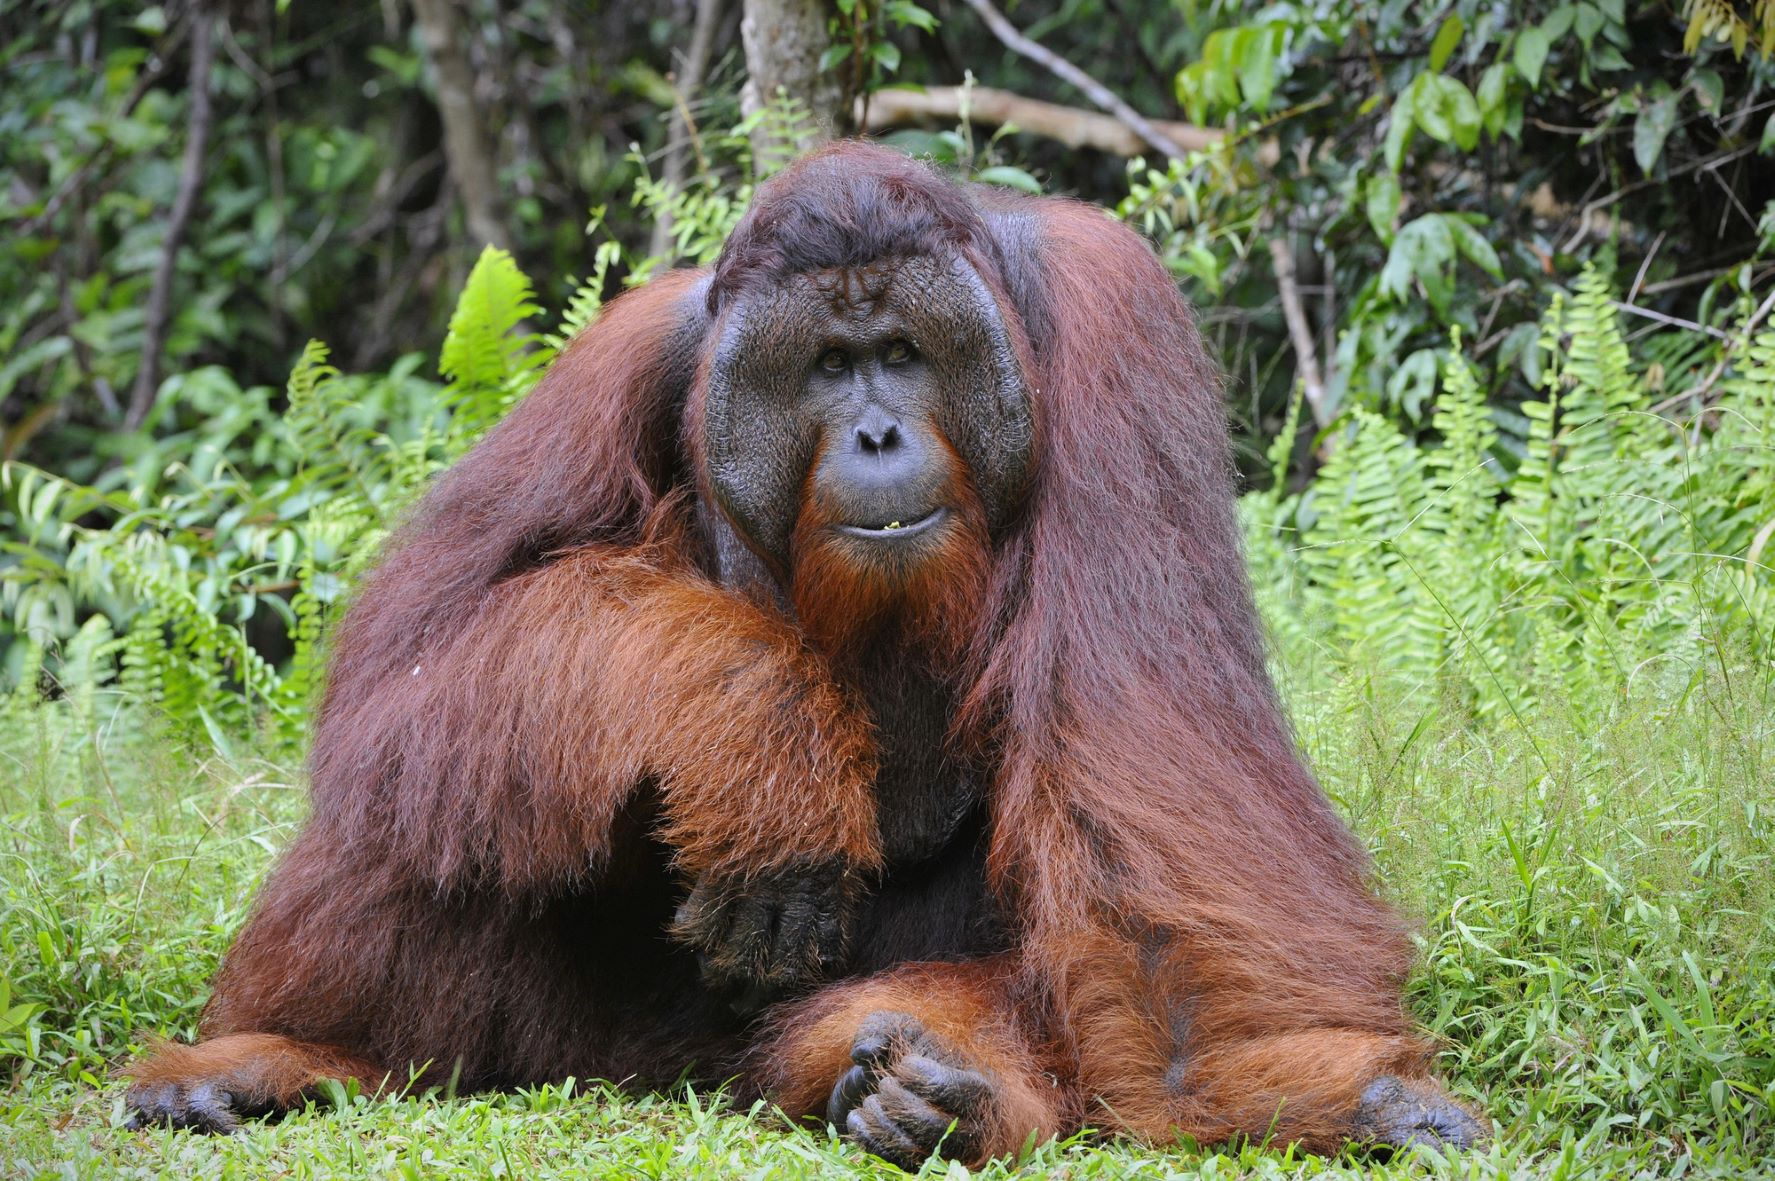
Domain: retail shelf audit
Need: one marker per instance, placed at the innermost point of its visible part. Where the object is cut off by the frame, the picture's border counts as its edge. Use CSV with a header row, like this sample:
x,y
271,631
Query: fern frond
x,y
488,363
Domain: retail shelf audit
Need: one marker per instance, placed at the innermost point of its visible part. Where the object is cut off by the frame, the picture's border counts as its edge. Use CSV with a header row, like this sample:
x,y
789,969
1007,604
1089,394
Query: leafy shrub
x,y
1625,547
200,577
174,569
1433,167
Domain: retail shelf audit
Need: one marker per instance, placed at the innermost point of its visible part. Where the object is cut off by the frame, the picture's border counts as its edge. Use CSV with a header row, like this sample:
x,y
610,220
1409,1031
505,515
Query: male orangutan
x,y
838,676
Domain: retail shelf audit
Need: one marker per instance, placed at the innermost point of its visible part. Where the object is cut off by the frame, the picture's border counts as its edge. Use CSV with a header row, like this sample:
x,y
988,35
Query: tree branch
x,y
1092,89
1300,333
197,135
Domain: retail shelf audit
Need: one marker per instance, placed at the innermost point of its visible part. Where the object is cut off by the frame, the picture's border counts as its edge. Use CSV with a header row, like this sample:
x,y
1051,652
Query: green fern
x,y
179,568
1624,548
1360,549
488,363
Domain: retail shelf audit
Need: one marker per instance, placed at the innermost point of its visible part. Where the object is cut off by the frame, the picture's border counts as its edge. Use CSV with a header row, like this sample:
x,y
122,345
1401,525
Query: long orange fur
x,y
542,658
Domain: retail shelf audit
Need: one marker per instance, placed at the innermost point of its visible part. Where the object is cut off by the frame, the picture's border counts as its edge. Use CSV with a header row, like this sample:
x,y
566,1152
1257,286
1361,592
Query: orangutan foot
x,y
909,1094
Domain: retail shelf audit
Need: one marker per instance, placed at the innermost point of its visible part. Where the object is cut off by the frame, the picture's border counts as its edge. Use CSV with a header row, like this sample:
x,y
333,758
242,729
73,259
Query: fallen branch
x,y
1072,126
197,136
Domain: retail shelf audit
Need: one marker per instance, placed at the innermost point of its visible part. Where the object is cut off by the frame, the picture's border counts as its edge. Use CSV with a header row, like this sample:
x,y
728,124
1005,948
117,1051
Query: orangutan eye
x,y
834,361
898,352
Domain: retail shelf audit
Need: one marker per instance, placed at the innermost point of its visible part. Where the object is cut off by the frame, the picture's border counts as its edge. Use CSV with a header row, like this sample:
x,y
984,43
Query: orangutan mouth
x,y
897,530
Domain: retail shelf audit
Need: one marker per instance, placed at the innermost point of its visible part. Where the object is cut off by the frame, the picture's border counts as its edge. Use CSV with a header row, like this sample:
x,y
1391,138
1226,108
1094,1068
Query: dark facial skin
x,y
876,383
882,466
878,413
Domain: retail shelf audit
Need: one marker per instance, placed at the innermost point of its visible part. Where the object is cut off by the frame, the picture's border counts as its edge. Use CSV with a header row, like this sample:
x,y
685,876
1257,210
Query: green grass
x,y
1596,904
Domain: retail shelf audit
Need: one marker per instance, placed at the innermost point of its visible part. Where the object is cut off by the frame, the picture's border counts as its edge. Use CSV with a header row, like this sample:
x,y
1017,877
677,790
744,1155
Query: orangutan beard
x,y
925,593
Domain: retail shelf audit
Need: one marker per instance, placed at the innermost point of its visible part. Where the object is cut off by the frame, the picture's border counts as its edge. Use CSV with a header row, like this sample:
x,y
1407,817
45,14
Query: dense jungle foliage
x,y
1510,500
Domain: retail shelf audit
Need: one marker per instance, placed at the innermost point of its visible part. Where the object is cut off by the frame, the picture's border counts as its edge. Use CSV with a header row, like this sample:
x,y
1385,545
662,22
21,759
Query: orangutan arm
x,y
507,749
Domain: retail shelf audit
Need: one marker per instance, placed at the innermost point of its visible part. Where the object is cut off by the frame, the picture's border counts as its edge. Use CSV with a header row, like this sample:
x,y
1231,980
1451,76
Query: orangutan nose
x,y
878,434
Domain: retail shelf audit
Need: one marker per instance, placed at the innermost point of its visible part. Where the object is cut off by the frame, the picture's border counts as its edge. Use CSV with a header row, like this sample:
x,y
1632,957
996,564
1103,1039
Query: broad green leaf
x,y
1651,129
1493,97
1399,125
1200,262
1587,22
1212,80
1431,116
1518,348
1237,66
1474,246
907,14
1010,178
1420,250
1446,110
1382,204
1447,37
1413,381
1530,52
1710,89
1464,115
1256,51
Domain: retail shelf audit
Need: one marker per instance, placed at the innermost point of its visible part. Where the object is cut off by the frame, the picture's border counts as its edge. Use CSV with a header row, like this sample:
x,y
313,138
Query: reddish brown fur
x,y
844,599
971,1006
1188,895
1197,948
261,1070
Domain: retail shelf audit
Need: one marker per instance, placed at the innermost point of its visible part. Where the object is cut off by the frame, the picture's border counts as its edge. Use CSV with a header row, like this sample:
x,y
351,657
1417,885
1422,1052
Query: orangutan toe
x,y
909,1095
1399,1113
201,1107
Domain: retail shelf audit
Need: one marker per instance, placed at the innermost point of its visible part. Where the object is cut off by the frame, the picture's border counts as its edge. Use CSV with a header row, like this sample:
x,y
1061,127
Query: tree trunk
x,y
467,147
687,83
784,40
156,318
